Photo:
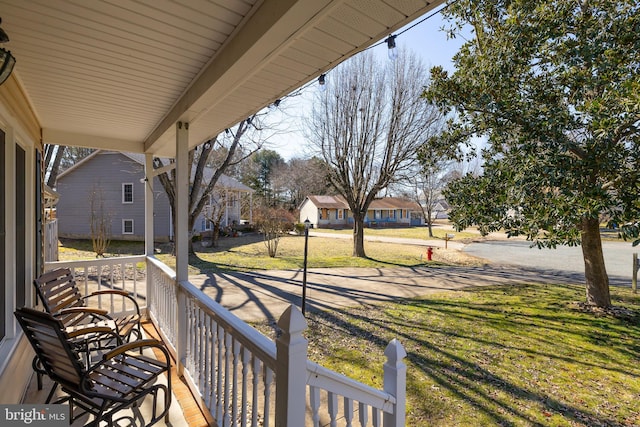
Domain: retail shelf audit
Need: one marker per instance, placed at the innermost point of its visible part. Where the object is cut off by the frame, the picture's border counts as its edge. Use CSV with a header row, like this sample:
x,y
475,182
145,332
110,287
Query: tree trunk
x,y
358,237
55,167
597,281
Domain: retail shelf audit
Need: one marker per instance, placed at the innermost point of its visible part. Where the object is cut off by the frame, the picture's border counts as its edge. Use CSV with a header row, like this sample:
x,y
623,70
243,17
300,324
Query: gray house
x,y
114,183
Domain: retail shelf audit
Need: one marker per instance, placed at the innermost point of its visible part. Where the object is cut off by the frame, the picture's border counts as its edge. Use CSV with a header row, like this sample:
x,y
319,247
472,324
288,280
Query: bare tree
x,y
367,125
58,158
100,222
298,178
273,223
214,212
427,190
234,144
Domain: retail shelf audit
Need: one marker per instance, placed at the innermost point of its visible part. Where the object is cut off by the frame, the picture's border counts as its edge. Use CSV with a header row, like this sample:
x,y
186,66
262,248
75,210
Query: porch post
x,y
9,227
291,369
182,236
395,383
148,218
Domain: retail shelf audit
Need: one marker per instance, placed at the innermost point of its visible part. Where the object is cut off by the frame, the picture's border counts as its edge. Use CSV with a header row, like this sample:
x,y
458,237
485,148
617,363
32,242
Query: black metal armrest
x,y
118,292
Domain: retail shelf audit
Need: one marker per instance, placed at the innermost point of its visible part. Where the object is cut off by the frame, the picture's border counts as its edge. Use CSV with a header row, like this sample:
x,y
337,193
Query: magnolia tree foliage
x,y
554,86
367,126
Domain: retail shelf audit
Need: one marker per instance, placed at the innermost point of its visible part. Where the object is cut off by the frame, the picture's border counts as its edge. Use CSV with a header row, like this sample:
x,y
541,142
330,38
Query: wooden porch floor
x,y
193,416
192,413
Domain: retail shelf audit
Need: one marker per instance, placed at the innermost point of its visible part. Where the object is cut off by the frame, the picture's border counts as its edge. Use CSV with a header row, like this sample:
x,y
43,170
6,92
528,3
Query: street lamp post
x,y
307,224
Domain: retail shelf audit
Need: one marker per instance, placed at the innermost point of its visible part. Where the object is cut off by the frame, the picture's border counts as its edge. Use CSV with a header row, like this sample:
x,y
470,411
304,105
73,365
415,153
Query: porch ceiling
x,y
117,74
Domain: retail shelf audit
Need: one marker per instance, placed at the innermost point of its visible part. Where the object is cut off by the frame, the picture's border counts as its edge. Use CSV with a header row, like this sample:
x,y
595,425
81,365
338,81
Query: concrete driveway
x,y
264,295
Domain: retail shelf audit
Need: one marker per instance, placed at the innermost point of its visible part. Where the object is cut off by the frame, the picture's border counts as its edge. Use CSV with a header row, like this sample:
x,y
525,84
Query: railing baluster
x,y
228,352
254,404
214,366
245,379
314,403
219,391
376,417
363,414
235,392
268,380
124,284
348,411
332,402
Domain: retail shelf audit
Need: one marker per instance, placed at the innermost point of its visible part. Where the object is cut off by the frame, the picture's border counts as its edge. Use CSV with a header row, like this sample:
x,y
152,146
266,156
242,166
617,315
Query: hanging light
x,y
322,82
275,104
391,45
7,61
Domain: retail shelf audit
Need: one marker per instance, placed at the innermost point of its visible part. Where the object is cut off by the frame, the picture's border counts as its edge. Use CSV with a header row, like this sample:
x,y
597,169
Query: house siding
x,y
106,172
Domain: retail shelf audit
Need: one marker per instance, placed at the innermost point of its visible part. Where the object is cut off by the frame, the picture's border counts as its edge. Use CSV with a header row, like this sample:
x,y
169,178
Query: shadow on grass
x,y
461,364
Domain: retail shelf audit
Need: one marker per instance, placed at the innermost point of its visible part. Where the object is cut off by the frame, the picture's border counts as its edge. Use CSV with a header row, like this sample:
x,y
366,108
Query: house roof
x,y
120,75
338,202
329,202
224,181
393,203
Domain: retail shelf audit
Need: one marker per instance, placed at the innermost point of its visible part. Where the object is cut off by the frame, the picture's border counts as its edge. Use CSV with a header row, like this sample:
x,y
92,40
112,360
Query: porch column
x,y
8,228
182,201
148,218
148,204
182,236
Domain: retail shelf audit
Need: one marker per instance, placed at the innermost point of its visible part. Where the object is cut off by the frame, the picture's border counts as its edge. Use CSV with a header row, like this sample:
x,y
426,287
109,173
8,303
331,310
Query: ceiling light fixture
x,y
322,82
391,44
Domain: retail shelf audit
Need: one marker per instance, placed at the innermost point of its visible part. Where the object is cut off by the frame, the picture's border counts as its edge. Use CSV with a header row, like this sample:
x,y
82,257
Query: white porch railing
x,y
123,273
242,377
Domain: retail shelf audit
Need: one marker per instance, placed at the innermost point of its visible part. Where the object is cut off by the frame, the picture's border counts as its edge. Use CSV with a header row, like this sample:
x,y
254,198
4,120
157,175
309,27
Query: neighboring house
x,y
116,182
334,212
441,210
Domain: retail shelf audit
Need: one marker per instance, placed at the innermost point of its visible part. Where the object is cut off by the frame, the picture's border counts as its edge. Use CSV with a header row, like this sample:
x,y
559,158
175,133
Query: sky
x,y
426,39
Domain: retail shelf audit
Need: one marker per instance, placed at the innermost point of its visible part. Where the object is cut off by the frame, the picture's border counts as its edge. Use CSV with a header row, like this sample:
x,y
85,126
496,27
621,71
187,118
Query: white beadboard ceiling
x,y
118,74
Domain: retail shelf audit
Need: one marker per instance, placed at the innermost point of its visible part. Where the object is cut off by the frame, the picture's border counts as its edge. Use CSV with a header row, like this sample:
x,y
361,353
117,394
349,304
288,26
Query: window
x,y
340,213
127,226
127,193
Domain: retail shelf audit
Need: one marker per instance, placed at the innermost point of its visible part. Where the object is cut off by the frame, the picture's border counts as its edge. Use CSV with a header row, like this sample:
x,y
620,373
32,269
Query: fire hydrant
x,y
429,253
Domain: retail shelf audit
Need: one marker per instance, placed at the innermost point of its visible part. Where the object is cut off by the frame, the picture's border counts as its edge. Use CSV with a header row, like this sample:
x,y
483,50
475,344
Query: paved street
x,y
617,255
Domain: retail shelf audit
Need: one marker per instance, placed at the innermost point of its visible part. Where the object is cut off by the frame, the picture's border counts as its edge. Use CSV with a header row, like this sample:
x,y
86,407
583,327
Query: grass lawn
x,y
510,356
250,253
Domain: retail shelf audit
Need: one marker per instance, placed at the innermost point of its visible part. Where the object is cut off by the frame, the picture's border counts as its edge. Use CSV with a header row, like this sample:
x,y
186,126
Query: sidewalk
x,y
264,295
436,243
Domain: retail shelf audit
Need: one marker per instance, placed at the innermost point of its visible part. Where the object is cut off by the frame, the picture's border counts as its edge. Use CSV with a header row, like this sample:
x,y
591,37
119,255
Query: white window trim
x,y
123,226
123,192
